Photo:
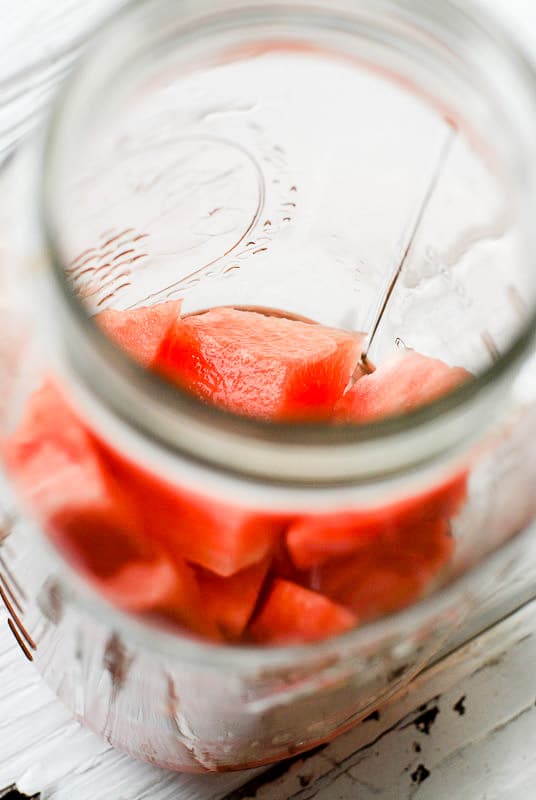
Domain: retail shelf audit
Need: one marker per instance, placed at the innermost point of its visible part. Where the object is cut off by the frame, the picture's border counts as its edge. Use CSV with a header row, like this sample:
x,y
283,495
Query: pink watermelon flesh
x,y
402,383
260,366
312,540
388,573
139,332
230,602
218,536
56,464
292,614
158,549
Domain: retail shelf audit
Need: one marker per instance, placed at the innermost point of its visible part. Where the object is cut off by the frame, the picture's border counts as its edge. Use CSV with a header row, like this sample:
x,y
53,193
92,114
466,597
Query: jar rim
x,y
309,455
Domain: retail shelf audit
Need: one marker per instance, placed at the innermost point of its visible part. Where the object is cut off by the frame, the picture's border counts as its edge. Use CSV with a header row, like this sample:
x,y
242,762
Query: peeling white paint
x,y
485,751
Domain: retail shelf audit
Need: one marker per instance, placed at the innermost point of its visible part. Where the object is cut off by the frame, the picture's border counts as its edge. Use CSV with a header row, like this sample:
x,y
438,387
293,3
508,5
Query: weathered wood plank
x,y
482,691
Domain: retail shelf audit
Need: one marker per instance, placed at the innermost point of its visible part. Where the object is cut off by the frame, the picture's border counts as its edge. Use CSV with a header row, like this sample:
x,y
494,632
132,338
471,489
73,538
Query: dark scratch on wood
x,y
501,726
420,774
396,673
424,721
12,793
493,662
459,707
272,774
345,764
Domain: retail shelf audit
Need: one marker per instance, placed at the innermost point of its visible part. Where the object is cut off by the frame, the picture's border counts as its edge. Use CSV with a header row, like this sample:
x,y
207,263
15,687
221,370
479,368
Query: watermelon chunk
x,y
140,331
53,458
184,606
230,602
261,366
389,573
146,581
404,382
221,570
57,467
292,615
314,539
218,536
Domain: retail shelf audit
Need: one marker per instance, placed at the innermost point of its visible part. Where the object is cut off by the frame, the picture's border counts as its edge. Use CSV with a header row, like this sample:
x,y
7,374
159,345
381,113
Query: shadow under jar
x,y
278,159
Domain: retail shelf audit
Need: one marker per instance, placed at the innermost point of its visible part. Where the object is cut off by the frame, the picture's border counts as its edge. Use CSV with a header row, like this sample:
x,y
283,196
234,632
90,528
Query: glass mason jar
x,y
283,156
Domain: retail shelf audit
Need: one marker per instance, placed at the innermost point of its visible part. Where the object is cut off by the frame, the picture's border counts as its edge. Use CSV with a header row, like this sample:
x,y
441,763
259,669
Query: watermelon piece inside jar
x,y
402,383
221,537
389,573
259,365
160,549
230,602
311,540
292,614
139,331
60,473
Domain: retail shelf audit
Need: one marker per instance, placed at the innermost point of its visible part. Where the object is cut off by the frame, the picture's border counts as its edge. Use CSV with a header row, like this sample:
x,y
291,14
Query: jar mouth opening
x,y
113,377
173,396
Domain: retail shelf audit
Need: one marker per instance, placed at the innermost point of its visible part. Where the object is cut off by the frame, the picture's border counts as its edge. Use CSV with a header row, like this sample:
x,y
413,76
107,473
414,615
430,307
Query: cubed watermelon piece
x,y
184,604
130,572
54,460
261,366
230,602
292,614
220,537
389,573
314,539
56,464
404,382
140,331
217,536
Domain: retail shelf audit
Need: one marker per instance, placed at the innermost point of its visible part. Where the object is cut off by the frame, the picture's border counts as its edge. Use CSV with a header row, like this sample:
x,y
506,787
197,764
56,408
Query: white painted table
x,y
465,729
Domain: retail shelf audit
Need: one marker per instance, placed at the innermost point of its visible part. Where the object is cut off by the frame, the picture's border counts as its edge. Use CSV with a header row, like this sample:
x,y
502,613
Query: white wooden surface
x,y
465,729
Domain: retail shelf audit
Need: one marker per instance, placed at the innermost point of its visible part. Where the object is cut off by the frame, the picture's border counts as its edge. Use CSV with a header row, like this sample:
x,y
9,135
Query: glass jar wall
x,y
278,160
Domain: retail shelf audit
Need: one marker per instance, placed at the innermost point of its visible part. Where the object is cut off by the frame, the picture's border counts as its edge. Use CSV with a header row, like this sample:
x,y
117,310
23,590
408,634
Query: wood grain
x,y
455,720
